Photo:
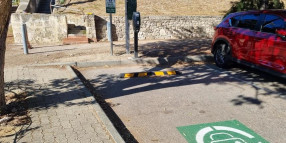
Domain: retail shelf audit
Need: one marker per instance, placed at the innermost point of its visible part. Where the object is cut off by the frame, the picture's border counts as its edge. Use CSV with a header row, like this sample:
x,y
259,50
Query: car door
x,y
269,48
244,36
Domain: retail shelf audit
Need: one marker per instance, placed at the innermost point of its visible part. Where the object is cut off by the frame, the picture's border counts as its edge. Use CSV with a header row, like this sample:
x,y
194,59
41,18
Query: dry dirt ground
x,y
15,115
152,7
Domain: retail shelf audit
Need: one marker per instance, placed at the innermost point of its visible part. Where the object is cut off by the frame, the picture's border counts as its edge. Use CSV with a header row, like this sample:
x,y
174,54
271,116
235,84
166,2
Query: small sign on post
x,y
110,6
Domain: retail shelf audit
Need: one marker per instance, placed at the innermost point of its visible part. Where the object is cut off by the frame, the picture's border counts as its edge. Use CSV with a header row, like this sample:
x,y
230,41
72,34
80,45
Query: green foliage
x,y
62,1
15,2
244,5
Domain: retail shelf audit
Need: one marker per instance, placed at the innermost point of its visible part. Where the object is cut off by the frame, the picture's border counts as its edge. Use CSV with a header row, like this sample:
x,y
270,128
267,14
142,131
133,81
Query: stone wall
x,y
50,29
160,27
41,28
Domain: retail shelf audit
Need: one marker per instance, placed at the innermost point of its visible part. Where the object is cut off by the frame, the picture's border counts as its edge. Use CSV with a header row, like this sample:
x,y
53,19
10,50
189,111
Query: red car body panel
x,y
264,49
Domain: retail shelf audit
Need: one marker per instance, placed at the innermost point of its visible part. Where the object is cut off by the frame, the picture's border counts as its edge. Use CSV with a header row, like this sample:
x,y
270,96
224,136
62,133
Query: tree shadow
x,y
119,125
263,83
24,129
176,47
46,95
200,74
247,100
269,84
181,45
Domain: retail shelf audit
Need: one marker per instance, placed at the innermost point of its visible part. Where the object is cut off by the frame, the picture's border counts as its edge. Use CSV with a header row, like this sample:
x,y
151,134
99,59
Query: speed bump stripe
x,y
148,74
142,74
159,73
171,72
128,75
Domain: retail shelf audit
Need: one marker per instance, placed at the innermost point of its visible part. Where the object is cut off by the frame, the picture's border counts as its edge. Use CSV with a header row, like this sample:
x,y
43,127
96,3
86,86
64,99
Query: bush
x,y
244,5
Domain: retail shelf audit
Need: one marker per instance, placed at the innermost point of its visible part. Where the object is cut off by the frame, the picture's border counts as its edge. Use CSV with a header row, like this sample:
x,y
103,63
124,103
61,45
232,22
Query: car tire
x,y
222,55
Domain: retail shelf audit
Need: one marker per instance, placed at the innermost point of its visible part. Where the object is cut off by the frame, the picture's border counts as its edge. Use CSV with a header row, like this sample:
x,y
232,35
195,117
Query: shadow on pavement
x,y
175,48
41,97
51,95
210,74
119,125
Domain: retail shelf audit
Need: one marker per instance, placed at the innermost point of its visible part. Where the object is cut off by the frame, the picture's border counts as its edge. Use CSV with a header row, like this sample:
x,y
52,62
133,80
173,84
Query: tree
x,y
244,5
5,8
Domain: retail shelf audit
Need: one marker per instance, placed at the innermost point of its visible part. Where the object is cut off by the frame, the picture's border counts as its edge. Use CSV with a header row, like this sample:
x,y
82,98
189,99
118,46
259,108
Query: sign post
x,y
126,29
130,7
110,8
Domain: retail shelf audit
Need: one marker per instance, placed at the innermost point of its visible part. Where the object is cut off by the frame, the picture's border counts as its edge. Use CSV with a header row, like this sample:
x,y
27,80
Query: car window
x,y
235,21
249,21
271,23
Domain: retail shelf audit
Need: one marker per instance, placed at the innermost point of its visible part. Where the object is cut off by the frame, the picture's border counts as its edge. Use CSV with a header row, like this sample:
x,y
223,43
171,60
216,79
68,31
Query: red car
x,y
253,38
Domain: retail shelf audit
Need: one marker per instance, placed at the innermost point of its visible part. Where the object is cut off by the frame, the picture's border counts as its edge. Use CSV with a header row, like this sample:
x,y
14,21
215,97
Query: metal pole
x,y
24,38
111,44
108,30
126,29
136,44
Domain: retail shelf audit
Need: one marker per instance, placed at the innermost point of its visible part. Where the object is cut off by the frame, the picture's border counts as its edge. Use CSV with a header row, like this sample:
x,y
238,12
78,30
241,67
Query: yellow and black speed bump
x,y
148,74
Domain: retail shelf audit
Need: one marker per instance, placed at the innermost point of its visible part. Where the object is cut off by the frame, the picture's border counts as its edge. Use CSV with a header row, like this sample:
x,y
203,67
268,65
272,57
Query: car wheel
x,y
222,56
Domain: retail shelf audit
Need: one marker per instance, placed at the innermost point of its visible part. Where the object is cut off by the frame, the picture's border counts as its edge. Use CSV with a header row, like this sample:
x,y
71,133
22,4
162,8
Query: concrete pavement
x,y
59,109
151,108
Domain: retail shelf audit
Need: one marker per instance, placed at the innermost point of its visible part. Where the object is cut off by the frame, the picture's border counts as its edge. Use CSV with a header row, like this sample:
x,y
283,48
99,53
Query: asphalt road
x,y
152,107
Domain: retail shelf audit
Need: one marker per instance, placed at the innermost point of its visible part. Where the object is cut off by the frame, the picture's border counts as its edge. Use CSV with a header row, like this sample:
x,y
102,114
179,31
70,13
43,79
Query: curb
x,y
138,61
102,117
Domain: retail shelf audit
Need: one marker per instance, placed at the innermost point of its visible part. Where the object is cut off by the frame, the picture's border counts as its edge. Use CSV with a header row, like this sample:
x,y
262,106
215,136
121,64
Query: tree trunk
x,y
5,8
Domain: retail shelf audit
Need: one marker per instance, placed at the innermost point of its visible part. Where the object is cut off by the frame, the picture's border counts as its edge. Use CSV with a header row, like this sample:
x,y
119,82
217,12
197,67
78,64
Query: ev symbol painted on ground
x,y
220,132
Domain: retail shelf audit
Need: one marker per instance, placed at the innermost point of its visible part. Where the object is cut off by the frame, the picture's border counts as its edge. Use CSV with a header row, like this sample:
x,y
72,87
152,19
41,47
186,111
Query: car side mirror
x,y
281,33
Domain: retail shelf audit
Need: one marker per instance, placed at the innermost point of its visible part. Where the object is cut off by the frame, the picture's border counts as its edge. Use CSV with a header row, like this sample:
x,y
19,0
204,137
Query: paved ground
x,y
101,51
55,98
60,111
149,107
152,108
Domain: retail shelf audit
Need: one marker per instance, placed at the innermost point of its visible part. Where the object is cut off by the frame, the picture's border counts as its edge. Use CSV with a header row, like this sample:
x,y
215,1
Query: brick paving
x,y
59,110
